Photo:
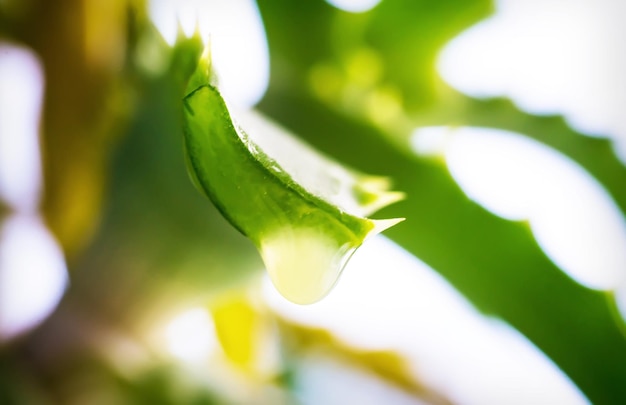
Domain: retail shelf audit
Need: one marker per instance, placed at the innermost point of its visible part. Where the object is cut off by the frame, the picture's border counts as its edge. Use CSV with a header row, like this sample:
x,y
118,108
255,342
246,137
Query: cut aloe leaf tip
x,y
305,213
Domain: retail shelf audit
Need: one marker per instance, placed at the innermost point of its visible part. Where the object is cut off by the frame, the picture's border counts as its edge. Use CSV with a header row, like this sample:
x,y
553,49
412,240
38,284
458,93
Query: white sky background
x,y
354,6
238,45
550,57
33,276
21,92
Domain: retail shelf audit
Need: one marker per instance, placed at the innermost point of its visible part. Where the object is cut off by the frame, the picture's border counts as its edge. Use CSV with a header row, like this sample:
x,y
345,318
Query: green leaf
x,y
495,263
305,213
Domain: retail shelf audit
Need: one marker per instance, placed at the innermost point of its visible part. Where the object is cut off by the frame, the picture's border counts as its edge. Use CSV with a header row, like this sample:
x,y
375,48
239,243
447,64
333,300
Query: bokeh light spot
x,y
33,275
354,6
191,335
21,91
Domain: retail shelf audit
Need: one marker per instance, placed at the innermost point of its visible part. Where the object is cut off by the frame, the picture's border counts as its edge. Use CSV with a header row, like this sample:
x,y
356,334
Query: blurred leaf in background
x,y
120,283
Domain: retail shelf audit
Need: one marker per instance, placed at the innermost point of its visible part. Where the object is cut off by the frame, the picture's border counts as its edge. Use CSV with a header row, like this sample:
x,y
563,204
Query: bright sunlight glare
x,y
21,90
190,336
387,299
33,275
549,57
572,216
354,6
234,31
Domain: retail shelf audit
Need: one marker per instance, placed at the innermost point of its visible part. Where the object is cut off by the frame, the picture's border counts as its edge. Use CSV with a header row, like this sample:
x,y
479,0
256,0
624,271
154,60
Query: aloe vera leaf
x,y
305,213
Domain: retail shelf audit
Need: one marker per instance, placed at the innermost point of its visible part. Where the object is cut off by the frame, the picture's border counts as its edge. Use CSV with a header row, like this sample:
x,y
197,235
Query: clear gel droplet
x,y
304,264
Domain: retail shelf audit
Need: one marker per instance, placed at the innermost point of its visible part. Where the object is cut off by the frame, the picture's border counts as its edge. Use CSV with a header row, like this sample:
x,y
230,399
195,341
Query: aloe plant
x,y
304,213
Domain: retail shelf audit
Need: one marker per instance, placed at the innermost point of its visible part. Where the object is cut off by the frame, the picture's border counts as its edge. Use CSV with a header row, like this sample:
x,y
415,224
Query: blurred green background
x,y
154,269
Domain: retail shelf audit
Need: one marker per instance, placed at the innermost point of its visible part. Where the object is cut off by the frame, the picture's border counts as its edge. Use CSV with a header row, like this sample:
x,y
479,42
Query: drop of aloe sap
x,y
305,264
304,212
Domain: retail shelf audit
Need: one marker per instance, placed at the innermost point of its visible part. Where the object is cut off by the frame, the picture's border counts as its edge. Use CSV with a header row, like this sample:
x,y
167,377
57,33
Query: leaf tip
x,y
373,193
203,75
381,225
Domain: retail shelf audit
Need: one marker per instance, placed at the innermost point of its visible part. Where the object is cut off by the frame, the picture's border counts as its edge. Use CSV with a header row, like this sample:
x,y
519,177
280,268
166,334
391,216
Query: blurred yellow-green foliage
x,y
142,245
